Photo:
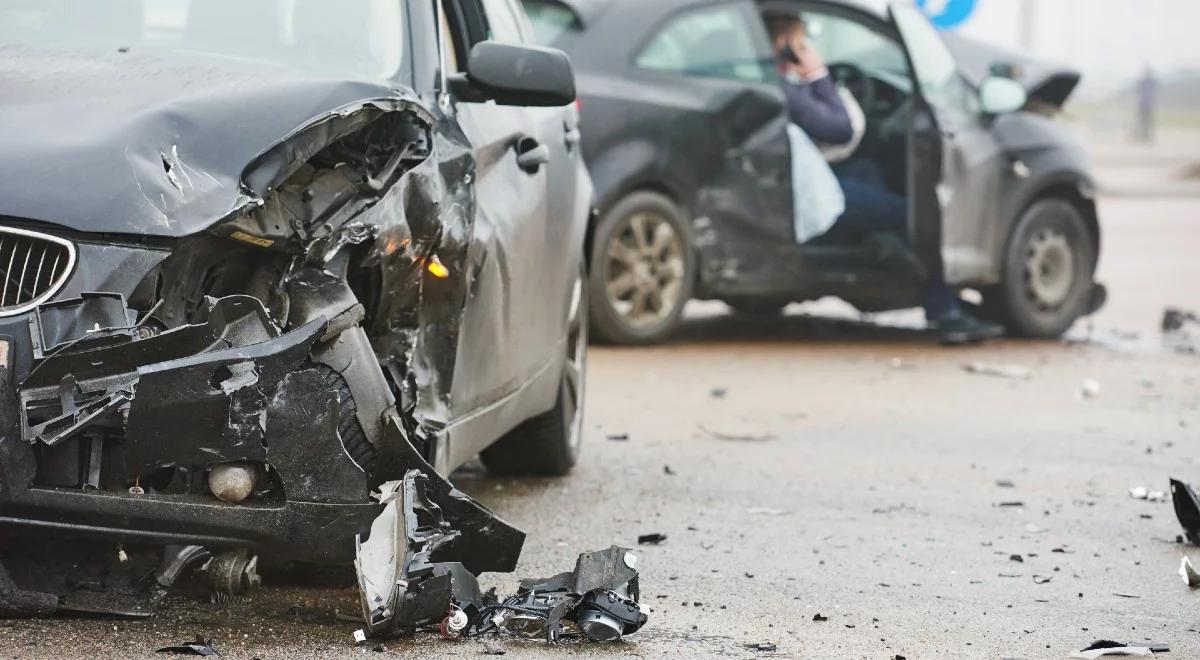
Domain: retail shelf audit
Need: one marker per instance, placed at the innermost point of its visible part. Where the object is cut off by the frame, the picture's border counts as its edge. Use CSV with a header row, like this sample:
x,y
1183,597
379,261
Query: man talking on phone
x,y
815,105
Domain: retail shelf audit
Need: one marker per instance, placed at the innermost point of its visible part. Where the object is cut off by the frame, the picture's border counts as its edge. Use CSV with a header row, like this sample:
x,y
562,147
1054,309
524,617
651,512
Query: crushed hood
x,y
1046,82
148,144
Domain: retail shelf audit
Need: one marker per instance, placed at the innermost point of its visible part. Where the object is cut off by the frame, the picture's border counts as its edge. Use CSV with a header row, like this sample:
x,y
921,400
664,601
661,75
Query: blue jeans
x,y
873,209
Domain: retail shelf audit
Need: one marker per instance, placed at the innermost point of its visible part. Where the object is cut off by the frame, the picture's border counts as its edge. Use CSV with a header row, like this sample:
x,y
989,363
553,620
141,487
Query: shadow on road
x,y
808,328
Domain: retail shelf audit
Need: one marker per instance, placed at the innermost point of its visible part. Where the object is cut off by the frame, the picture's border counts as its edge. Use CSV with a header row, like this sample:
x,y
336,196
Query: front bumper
x,y
111,434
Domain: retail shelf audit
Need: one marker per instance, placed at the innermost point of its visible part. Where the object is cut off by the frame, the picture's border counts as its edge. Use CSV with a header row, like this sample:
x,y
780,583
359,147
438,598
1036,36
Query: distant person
x,y
816,106
1147,101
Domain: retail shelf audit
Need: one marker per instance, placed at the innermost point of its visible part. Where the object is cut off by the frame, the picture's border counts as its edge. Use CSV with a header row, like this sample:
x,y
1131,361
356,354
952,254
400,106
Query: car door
x,y
513,322
956,165
713,63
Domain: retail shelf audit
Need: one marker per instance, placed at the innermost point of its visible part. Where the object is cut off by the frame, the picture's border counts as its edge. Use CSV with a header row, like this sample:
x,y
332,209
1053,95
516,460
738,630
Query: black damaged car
x,y
260,259
686,136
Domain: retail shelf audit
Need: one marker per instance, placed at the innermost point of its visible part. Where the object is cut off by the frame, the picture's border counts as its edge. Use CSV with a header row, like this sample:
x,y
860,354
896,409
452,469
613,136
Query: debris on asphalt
x,y
600,598
668,471
766,511
736,437
403,589
719,393
1143,493
1005,483
1106,648
820,618
1175,319
1013,504
1017,558
651,539
360,637
1187,509
763,647
198,646
1089,389
1042,579
1189,574
1009,371
493,647
618,437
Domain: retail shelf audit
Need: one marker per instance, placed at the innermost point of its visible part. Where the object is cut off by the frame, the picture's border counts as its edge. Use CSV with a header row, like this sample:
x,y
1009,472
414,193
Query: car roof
x,y
589,10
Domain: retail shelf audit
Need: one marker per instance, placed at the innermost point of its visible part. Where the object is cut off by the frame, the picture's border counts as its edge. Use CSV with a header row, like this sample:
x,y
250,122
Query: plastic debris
x,y
493,647
1187,510
1106,648
1009,371
1089,389
651,539
820,618
199,646
1143,493
763,647
360,637
1189,574
1175,319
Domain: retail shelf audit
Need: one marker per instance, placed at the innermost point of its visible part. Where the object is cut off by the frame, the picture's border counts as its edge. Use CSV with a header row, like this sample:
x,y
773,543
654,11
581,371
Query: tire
x,y
1049,272
656,272
548,445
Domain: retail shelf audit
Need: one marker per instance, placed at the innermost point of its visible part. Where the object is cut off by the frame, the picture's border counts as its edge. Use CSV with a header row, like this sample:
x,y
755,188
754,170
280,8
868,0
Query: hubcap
x,y
644,269
575,380
1049,269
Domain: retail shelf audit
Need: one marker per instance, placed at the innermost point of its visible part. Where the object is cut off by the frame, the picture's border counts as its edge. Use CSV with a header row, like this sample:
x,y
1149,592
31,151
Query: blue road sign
x,y
948,14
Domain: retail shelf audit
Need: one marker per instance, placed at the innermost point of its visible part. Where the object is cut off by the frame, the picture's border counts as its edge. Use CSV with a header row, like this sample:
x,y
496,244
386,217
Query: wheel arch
x,y
1074,187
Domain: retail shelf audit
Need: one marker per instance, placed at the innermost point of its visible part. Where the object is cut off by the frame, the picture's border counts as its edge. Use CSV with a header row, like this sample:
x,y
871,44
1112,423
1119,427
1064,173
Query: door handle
x,y
573,137
531,155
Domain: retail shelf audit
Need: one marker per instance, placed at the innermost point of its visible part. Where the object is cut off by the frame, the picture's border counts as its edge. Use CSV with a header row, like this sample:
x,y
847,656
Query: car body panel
x,y
436,273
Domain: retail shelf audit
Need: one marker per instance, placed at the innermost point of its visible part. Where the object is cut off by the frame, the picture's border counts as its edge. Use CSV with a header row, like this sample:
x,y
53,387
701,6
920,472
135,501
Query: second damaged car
x,y
262,262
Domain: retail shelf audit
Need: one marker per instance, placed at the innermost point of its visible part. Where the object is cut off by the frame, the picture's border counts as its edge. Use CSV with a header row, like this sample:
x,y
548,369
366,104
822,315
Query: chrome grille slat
x,y
24,255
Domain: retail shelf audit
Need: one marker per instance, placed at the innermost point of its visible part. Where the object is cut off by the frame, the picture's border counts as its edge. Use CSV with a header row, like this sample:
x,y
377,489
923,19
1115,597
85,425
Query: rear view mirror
x,y
999,96
516,75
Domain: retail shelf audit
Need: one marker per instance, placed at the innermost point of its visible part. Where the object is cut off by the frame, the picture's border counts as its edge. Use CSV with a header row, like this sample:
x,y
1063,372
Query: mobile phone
x,y
789,55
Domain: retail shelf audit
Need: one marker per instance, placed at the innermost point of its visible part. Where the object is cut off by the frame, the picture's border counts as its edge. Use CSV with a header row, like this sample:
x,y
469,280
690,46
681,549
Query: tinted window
x,y
357,38
551,19
719,41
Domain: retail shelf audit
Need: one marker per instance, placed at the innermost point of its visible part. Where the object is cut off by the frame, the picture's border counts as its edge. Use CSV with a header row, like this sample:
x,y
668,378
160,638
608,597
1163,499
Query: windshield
x,y
352,38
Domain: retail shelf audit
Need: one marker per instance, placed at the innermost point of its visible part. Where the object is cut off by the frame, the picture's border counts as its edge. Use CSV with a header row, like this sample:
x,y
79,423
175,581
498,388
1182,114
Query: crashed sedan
x,y
272,270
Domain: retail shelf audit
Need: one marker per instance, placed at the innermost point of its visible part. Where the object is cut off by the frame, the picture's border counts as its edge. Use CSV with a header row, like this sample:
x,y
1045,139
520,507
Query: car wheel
x,y
548,445
643,269
1049,271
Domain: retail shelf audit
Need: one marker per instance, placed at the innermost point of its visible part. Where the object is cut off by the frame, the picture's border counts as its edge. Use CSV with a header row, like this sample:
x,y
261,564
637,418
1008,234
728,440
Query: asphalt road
x,y
850,469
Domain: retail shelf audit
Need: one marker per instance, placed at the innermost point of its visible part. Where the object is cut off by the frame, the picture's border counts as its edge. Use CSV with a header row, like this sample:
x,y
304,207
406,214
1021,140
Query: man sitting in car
x,y
818,107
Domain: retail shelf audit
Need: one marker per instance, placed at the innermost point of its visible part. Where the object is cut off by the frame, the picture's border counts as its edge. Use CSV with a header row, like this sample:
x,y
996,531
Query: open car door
x,y
954,162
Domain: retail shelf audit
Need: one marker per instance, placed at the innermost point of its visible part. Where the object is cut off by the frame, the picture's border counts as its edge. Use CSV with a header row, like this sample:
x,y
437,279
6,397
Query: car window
x,y
938,76
840,39
357,38
718,41
504,23
551,20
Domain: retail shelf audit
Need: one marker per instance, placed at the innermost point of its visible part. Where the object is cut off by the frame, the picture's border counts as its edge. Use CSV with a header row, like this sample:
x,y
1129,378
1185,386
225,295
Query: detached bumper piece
x,y
404,591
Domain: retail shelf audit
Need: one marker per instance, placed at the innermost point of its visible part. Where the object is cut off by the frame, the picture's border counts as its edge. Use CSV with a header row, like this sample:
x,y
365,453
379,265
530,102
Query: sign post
x,y
948,14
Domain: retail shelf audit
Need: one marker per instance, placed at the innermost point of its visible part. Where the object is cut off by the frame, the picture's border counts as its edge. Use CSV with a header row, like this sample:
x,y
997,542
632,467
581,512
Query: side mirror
x,y
999,96
516,75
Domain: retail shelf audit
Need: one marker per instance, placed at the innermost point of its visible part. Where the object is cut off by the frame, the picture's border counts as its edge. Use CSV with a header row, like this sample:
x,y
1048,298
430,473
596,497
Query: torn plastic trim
x,y
402,588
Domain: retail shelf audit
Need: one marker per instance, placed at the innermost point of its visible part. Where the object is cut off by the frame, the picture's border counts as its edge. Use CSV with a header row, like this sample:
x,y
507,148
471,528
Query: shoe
x,y
958,328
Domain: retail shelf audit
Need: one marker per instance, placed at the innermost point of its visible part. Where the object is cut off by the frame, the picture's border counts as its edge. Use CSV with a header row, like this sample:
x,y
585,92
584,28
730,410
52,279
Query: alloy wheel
x,y
644,269
1049,269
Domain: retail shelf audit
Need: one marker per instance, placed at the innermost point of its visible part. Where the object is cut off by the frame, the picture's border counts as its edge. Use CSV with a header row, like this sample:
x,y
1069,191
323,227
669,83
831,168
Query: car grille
x,y
34,267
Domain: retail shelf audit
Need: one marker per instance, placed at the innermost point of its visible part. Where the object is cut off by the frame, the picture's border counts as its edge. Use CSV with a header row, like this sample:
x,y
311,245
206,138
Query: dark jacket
x,y
817,108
